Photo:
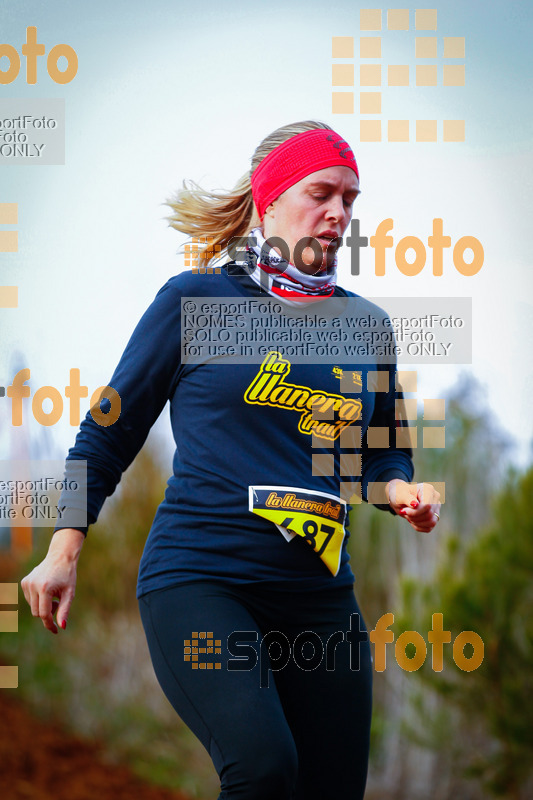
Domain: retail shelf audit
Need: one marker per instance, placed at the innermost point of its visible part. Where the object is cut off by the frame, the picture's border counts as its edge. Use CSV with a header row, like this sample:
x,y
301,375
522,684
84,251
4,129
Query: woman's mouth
x,y
329,237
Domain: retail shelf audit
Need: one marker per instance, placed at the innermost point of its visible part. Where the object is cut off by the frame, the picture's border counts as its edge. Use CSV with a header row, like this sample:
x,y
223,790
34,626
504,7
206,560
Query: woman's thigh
x,y
242,726
325,689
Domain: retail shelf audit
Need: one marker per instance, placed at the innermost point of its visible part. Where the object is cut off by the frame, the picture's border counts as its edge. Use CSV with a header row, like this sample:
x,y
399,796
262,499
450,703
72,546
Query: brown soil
x,y
39,761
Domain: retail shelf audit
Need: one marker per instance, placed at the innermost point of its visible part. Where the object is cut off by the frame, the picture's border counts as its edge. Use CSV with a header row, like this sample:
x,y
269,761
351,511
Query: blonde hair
x,y
220,216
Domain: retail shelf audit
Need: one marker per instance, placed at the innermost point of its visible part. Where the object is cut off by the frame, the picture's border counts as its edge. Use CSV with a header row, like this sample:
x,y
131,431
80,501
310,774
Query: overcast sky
x,y
176,90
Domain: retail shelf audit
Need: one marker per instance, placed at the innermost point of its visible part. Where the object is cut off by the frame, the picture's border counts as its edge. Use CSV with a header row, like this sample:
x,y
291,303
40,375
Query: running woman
x,y
245,588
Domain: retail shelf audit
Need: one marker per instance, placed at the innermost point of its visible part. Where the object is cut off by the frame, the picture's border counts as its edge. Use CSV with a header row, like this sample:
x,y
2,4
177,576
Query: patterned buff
x,y
282,279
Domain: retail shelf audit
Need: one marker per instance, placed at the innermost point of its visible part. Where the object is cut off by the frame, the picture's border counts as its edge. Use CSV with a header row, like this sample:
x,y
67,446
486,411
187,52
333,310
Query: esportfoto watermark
x,y
74,392
39,493
272,652
381,241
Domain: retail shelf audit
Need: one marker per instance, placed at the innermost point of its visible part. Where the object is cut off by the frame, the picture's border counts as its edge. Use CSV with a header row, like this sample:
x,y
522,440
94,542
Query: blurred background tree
x,y
486,585
394,566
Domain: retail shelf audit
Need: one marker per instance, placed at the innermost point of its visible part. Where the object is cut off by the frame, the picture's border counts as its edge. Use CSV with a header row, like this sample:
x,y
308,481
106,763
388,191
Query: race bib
x,y
318,517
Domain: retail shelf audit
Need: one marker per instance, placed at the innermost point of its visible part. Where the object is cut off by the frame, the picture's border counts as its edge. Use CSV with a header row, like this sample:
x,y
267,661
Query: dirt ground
x,y
40,762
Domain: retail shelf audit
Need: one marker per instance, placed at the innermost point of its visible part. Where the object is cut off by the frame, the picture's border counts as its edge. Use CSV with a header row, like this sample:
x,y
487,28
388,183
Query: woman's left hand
x,y
418,503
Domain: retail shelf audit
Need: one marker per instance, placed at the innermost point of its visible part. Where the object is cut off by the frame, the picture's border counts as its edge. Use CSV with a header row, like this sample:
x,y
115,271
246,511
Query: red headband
x,y
295,158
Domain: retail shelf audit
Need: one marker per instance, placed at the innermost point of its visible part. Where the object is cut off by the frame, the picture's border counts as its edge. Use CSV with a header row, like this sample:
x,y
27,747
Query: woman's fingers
x,y
63,607
426,524
34,600
45,611
423,512
427,502
424,518
427,494
47,597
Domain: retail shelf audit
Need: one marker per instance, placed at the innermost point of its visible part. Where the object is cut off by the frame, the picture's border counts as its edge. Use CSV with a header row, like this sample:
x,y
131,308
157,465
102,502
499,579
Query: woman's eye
x,y
320,196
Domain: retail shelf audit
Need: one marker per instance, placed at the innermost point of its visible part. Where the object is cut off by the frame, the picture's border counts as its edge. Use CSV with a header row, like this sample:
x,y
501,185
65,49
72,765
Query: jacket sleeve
x,y
145,378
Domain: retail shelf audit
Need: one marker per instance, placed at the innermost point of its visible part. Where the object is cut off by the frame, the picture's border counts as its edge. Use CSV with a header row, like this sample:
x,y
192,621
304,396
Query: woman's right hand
x,y
50,587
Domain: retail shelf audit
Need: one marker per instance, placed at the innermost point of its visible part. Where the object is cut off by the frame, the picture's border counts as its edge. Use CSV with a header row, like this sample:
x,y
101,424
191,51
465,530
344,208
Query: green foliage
x,y
486,586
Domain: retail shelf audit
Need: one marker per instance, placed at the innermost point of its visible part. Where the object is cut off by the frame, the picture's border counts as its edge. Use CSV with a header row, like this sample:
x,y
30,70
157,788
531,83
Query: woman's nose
x,y
335,208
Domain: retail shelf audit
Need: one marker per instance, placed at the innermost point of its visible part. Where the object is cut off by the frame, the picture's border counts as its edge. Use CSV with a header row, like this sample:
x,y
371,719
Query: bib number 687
x,y
311,530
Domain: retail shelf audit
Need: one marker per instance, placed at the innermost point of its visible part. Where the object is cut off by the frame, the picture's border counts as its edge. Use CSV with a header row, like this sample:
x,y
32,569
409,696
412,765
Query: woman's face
x,y
320,207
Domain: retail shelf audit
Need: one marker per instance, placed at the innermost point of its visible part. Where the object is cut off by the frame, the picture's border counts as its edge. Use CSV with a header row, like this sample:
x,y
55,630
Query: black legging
x,y
305,735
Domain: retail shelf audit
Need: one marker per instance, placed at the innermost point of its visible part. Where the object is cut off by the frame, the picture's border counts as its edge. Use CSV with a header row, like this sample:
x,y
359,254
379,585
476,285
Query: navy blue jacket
x,y
226,443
